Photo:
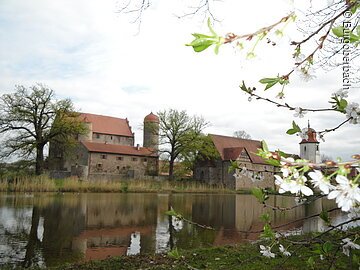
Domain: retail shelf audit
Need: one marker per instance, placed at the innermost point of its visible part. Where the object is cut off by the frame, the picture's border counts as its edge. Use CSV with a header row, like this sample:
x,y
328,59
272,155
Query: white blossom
x,y
266,251
284,184
293,186
284,251
341,93
300,187
346,193
306,74
237,174
304,134
347,245
353,112
320,181
300,200
300,57
299,112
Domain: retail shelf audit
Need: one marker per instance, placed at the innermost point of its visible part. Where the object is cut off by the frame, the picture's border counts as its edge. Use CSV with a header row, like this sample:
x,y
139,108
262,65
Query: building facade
x,y
254,171
108,151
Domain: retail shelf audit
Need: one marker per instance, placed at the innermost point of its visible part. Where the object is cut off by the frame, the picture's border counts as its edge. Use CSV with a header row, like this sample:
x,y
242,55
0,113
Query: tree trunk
x,y
171,169
33,240
39,166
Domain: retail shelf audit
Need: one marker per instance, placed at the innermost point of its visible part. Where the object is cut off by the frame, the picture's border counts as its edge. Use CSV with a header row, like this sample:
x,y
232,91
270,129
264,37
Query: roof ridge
x,y
94,114
232,137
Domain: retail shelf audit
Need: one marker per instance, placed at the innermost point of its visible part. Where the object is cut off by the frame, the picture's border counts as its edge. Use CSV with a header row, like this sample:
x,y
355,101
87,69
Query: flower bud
x,y
330,163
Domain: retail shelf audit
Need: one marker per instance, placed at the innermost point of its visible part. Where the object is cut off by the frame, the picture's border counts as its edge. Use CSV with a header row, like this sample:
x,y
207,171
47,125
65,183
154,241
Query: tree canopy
x,y
30,118
179,134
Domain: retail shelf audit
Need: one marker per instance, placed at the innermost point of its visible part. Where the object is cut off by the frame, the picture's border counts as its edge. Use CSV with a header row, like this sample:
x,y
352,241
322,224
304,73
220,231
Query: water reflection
x,y
50,229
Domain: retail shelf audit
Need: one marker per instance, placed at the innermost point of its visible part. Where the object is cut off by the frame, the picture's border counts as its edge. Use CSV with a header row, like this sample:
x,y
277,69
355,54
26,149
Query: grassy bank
x,y
45,184
244,256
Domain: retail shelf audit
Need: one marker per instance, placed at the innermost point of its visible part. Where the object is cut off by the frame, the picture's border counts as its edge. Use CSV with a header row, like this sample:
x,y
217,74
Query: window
x,y
304,148
97,136
118,167
317,148
110,137
134,159
119,158
99,166
103,156
144,159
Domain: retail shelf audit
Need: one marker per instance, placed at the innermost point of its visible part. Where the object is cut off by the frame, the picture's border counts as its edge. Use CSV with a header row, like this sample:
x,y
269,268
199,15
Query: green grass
x,y
244,256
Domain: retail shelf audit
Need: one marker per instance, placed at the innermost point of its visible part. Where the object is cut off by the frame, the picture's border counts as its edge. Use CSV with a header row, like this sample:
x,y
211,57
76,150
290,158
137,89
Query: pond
x,y
50,229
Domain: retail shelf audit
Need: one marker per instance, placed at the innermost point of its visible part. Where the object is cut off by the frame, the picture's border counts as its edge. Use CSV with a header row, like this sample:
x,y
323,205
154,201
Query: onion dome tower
x,y
151,131
309,146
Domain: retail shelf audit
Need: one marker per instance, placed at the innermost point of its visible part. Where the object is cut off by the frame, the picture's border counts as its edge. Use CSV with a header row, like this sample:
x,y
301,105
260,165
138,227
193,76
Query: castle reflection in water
x,y
49,229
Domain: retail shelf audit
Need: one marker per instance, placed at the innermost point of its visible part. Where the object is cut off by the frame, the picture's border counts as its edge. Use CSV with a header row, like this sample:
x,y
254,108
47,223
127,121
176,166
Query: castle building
x,y
254,170
108,151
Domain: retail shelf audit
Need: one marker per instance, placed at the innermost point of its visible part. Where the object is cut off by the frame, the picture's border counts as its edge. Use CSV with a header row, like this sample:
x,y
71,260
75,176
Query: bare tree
x,y
242,134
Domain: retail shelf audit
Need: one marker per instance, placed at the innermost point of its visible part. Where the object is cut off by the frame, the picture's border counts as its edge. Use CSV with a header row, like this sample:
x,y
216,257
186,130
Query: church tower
x,y
309,146
151,131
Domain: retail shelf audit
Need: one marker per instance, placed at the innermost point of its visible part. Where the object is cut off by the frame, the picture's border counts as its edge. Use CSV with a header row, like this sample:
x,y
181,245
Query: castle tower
x,y
151,131
309,146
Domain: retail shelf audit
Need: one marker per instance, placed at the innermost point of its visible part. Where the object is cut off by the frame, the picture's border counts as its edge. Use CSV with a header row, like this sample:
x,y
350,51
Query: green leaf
x,y
327,247
311,262
197,35
338,31
296,127
265,217
344,33
324,215
291,131
233,166
264,146
259,194
201,44
354,8
281,153
269,85
273,162
279,32
268,232
210,27
174,253
171,212
341,105
269,80
217,48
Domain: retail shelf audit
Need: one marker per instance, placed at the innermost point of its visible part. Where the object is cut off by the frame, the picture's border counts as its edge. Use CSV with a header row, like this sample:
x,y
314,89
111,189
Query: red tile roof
x,y
223,143
232,153
119,149
107,124
151,118
311,136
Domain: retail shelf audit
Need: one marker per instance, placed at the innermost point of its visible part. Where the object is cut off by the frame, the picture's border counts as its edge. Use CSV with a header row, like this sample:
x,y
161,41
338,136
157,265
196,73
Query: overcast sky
x,y
88,52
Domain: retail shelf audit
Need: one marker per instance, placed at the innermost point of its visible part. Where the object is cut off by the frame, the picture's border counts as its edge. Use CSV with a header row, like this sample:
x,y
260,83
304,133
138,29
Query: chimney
x,y
138,147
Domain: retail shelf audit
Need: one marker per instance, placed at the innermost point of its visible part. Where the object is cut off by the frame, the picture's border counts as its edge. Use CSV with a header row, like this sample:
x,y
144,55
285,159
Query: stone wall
x,y
112,139
122,165
217,173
